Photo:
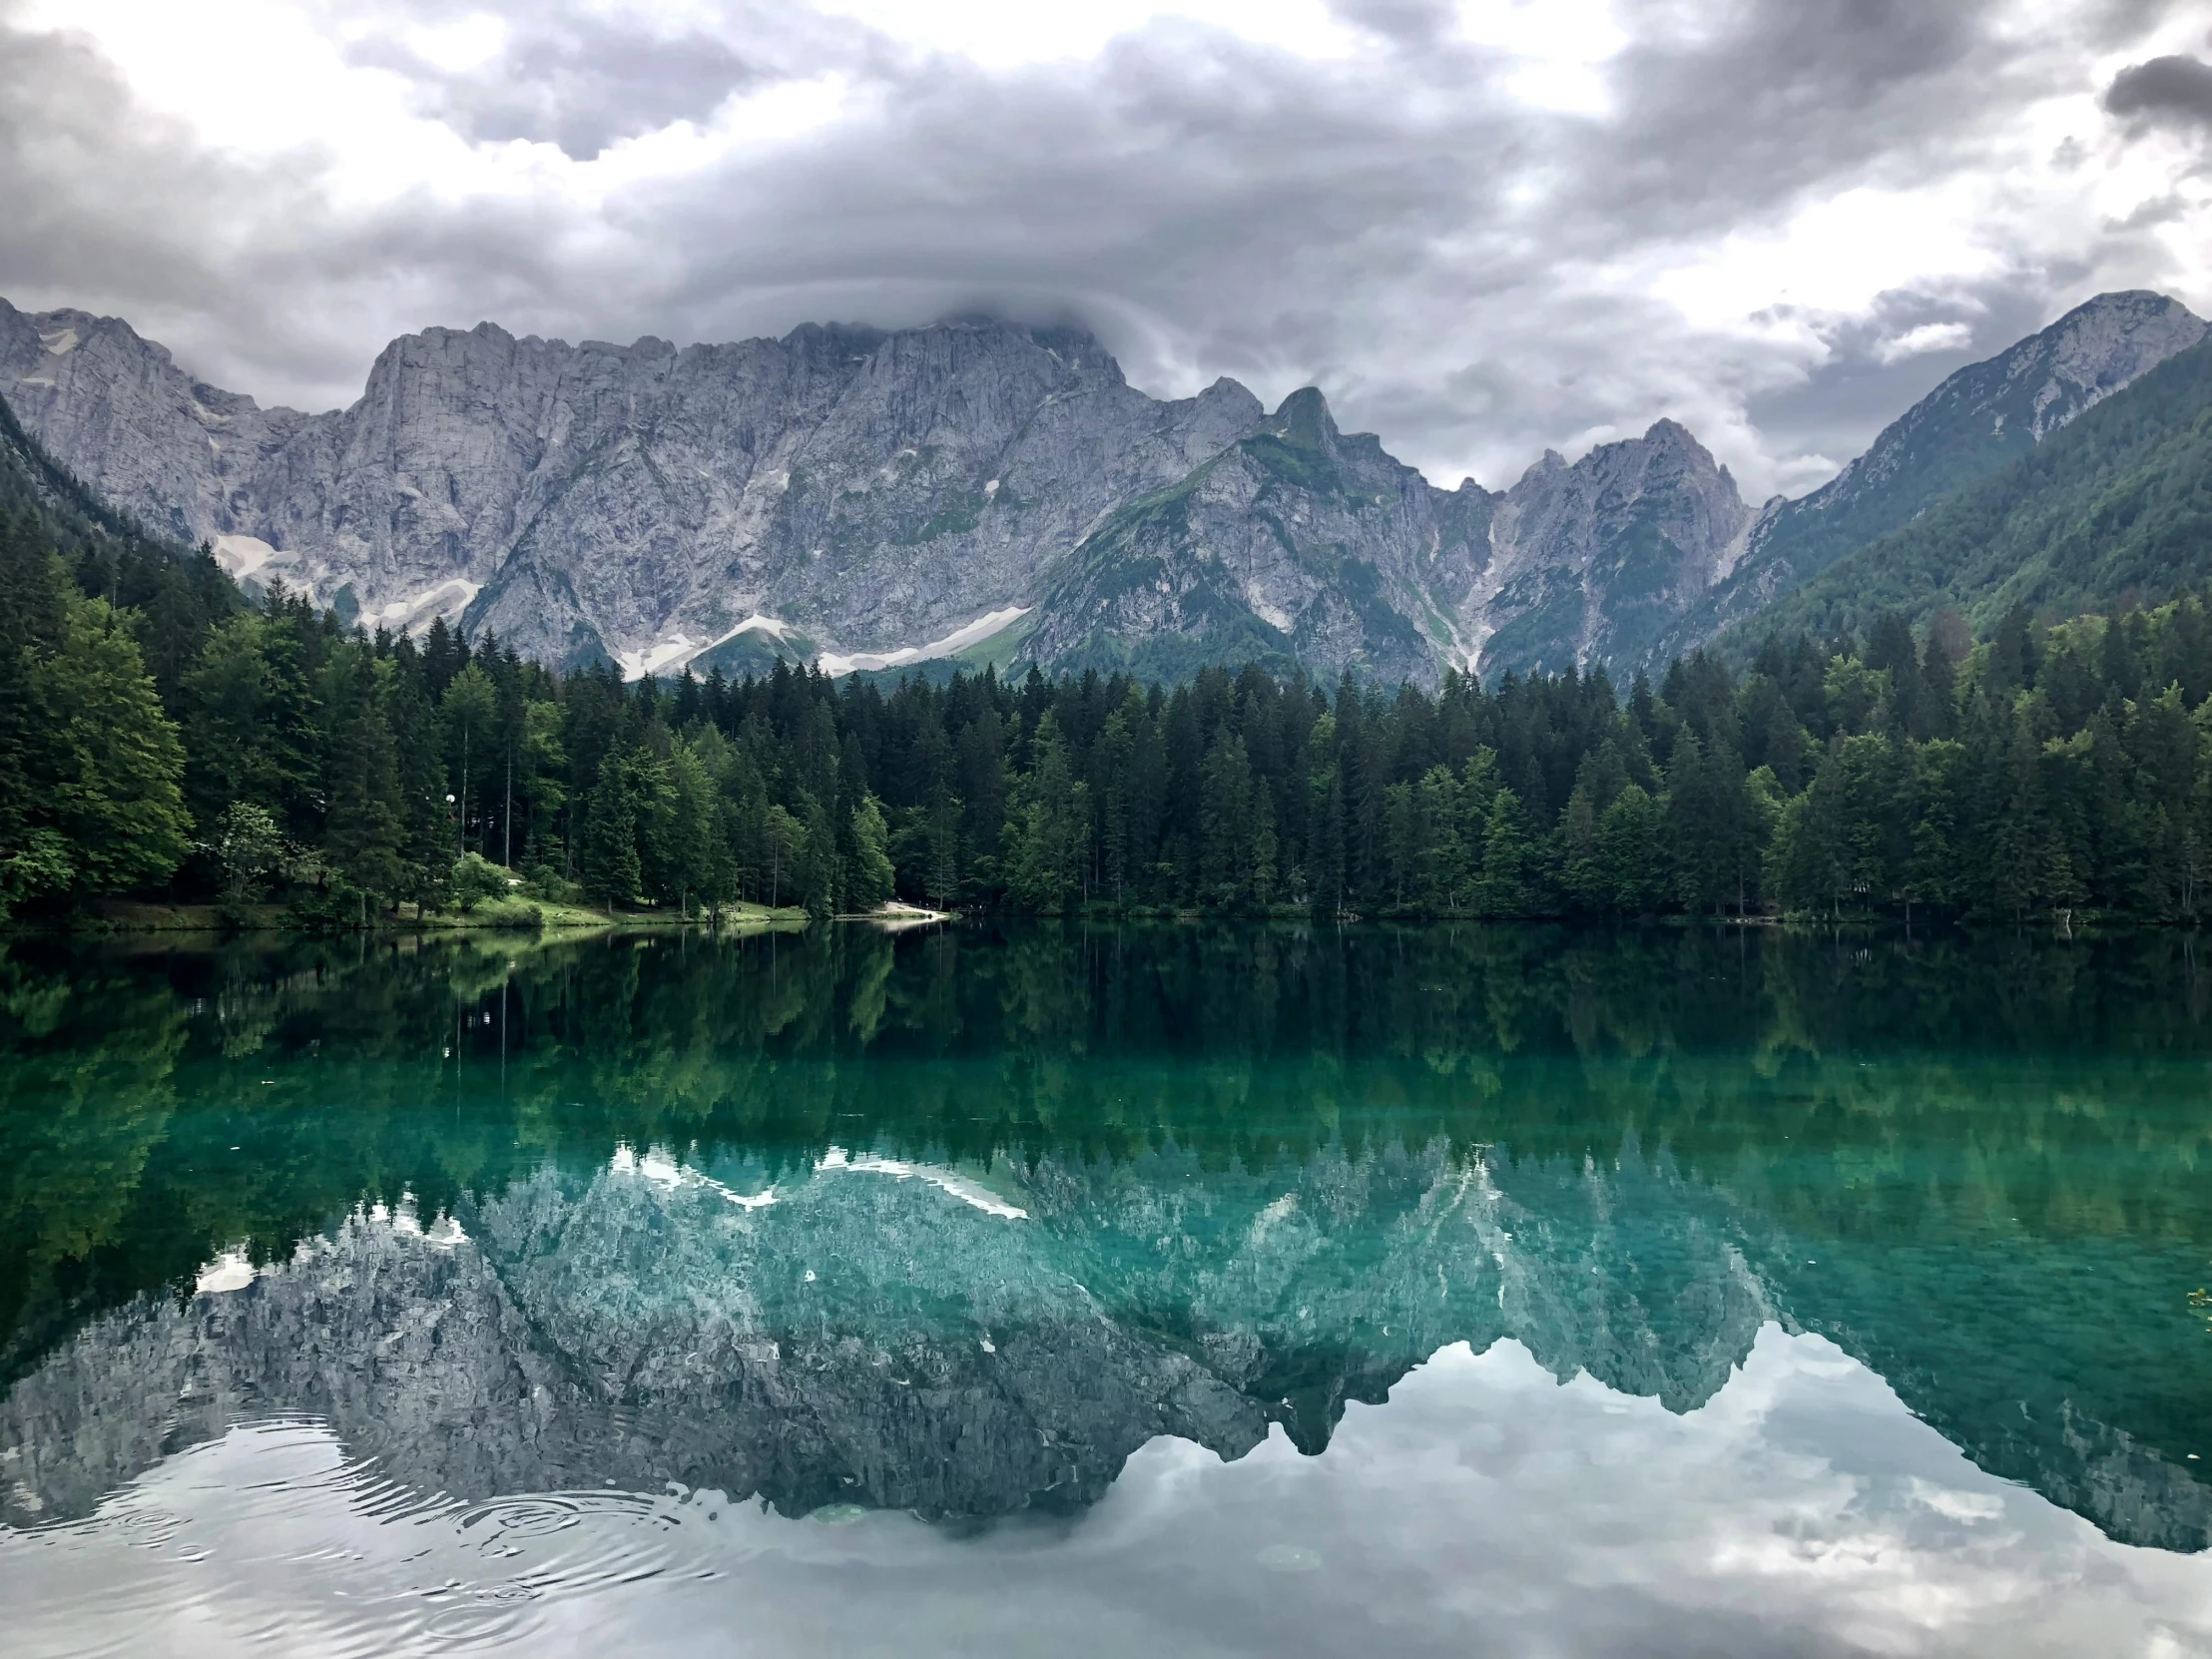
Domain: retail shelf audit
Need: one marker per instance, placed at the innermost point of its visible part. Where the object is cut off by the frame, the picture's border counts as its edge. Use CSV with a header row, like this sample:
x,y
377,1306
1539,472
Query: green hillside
x,y
172,592
2115,506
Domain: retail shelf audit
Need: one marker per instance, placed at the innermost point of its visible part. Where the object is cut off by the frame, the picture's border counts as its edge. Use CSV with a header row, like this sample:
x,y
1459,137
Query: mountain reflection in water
x,y
1007,1227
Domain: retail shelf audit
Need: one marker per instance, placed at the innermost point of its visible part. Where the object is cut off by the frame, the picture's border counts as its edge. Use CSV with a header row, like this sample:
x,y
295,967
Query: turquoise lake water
x,y
1108,1291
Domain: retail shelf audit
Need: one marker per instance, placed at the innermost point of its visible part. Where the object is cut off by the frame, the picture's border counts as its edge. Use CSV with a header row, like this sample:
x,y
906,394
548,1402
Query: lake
x,y
1074,1290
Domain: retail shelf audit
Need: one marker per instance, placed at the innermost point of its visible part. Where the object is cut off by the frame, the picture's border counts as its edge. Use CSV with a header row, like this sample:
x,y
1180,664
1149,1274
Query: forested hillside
x,y
2114,507
99,627
161,735
1976,422
158,735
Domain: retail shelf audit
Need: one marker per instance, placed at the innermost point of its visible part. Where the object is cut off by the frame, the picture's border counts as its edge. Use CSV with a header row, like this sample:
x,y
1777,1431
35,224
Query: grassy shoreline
x,y
509,915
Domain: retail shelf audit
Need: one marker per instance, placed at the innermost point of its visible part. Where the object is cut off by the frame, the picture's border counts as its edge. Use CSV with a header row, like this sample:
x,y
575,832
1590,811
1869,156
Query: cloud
x,y
1484,228
2173,89
1929,337
580,84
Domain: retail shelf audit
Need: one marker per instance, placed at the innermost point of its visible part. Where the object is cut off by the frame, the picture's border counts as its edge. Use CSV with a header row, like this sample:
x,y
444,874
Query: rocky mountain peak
x,y
2108,341
1616,482
1304,417
1586,558
882,496
1989,411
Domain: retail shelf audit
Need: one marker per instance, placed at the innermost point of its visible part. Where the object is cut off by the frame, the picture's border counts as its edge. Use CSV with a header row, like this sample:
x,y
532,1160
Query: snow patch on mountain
x,y
242,556
988,626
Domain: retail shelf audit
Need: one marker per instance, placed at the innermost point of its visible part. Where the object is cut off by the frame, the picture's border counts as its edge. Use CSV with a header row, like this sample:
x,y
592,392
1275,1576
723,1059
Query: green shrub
x,y
477,879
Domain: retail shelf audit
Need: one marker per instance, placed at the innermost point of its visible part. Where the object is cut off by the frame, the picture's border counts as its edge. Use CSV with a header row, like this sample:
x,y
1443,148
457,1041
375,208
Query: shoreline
x,y
514,916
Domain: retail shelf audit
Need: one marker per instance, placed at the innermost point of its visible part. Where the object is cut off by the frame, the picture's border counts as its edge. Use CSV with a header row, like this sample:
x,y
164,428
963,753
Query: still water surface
x,y
1479,1290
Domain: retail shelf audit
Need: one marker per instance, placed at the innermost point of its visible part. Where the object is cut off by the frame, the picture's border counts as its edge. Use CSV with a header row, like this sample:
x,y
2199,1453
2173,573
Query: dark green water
x,y
1152,1289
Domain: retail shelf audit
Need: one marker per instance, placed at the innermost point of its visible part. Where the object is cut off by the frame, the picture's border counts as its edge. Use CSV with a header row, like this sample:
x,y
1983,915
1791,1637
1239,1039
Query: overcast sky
x,y
1481,228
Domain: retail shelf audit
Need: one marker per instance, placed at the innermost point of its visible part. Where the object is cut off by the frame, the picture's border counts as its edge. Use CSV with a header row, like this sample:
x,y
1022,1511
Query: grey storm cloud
x,y
2175,88
1393,226
577,77
580,88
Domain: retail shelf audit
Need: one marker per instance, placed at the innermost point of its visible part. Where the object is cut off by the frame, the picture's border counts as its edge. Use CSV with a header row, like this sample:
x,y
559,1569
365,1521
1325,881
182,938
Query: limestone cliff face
x,y
866,498
1297,545
1587,561
881,490
846,492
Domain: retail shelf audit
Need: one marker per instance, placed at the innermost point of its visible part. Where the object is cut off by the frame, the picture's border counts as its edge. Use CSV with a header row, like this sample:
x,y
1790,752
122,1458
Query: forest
x,y
163,736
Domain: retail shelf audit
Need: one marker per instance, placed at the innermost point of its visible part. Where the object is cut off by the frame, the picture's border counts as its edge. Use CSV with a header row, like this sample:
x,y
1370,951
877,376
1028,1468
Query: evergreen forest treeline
x,y
161,735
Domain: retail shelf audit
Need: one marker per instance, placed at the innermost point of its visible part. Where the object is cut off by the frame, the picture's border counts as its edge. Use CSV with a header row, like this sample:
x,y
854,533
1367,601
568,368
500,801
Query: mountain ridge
x,y
1939,448
2117,503
977,488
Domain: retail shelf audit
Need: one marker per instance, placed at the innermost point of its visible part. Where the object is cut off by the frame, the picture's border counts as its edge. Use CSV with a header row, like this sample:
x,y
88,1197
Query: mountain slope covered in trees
x,y
1978,420
98,622
2115,507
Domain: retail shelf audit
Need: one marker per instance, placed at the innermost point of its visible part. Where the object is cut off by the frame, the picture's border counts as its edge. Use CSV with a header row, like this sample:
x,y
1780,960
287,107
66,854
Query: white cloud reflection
x,y
1484,1508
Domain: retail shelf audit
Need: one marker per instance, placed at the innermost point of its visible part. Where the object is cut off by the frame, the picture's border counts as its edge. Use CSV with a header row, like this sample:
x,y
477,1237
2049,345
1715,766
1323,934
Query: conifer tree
x,y
115,795
872,880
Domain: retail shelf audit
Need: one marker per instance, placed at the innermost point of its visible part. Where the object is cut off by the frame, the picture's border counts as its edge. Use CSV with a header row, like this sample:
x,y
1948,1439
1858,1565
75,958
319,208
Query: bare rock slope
x,y
868,498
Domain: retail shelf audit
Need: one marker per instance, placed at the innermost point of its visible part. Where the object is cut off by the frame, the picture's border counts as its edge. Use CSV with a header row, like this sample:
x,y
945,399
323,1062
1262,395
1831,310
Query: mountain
x,y
1589,561
1296,544
867,499
2116,505
876,492
980,491
32,484
1978,420
641,501
176,592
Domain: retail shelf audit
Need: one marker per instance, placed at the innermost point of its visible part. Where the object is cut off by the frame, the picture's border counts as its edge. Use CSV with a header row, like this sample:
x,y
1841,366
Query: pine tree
x,y
941,854
1503,889
870,881
684,832
116,793
612,870
1224,819
364,823
784,849
469,713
